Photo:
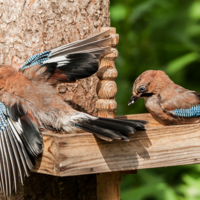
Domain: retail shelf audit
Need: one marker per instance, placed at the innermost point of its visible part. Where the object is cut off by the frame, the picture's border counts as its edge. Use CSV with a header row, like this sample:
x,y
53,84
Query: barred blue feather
x,y
97,45
194,111
14,158
3,121
37,59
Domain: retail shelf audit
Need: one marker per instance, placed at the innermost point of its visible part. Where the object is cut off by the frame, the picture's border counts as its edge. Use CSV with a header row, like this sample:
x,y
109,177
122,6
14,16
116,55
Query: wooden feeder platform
x,y
41,26
82,153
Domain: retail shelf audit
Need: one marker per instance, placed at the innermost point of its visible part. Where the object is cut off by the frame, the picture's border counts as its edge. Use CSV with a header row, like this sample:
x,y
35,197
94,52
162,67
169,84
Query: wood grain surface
x,y
158,146
107,73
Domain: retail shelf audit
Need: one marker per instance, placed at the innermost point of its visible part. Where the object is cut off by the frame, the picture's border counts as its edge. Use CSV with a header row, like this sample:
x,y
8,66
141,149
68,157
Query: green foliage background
x,y
157,34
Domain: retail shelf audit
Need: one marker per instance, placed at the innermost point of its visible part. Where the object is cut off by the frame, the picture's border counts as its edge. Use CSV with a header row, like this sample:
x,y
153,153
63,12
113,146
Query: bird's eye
x,y
142,89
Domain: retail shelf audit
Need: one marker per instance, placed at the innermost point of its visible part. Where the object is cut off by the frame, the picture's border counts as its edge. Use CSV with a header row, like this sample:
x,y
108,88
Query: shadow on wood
x,y
122,150
158,146
42,186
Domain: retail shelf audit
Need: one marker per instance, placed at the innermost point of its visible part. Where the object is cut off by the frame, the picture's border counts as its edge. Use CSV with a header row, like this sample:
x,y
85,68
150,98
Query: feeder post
x,y
108,184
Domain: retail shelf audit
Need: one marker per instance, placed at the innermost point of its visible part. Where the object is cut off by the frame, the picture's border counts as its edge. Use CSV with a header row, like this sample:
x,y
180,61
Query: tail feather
x,y
110,129
108,133
100,136
137,124
114,126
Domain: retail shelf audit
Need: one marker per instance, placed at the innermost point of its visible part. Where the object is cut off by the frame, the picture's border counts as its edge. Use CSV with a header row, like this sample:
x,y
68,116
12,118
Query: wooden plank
x,y
147,117
48,162
158,146
108,186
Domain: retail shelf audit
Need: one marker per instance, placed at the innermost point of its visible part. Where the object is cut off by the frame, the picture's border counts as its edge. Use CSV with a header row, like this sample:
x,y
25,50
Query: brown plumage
x,y
164,99
29,103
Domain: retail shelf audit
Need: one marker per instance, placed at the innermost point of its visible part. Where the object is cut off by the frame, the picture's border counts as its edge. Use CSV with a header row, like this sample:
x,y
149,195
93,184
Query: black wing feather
x,y
81,65
74,61
110,129
15,159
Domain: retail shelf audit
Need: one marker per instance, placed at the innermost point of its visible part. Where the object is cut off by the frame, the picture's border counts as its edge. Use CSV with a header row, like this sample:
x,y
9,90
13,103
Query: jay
x,y
167,102
29,103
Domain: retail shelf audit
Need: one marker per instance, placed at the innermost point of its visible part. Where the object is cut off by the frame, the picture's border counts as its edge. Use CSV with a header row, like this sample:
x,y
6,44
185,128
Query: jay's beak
x,y
133,99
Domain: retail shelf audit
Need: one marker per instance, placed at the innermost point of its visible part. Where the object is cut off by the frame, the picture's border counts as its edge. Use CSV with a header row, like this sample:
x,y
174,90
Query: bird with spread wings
x,y
29,103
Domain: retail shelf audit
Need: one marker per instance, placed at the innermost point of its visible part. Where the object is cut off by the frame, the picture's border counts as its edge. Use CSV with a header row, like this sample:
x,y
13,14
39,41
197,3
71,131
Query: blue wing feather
x,y
76,60
3,122
194,111
37,59
12,153
97,45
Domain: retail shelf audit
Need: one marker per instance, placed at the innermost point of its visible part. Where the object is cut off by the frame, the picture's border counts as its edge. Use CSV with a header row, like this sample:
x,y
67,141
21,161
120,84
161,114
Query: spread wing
x,y
76,60
20,143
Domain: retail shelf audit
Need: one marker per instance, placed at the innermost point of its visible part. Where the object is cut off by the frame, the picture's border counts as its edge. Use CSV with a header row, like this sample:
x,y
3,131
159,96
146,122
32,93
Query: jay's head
x,y
147,85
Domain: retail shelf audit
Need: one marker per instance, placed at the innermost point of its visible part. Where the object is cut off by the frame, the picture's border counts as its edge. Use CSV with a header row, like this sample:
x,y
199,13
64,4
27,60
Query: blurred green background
x,y
157,34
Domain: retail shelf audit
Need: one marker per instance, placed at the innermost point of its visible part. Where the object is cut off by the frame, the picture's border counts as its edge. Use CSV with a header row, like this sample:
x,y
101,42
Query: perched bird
x,y
29,103
167,102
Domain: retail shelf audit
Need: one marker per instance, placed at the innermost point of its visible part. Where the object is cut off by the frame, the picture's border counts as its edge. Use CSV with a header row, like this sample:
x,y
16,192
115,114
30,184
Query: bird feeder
x,y
80,166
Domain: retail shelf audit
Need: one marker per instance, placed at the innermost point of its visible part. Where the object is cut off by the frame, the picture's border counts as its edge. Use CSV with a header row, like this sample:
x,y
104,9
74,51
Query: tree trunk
x,y
30,27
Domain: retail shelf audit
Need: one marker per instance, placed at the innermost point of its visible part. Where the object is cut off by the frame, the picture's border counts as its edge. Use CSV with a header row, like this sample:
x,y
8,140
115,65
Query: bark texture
x,y
28,27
